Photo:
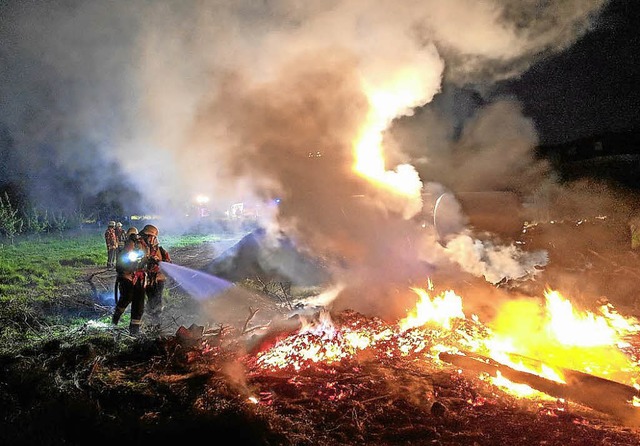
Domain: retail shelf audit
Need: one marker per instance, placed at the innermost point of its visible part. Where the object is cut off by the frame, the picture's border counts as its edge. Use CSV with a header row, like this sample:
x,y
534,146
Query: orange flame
x,y
527,336
559,334
440,310
395,99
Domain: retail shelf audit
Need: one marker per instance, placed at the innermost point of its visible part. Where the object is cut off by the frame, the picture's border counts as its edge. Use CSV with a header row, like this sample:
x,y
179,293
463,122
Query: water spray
x,y
199,285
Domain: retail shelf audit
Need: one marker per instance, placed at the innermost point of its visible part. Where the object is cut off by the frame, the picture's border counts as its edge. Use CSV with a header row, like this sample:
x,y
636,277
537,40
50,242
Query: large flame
x,y
397,98
559,334
527,336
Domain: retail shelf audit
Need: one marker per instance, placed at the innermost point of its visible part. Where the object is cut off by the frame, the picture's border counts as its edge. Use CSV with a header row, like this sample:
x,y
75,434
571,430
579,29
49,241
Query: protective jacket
x,y
157,254
132,260
121,237
131,281
110,238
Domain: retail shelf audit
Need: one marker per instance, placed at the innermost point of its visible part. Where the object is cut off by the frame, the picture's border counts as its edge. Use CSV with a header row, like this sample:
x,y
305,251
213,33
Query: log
x,y
597,393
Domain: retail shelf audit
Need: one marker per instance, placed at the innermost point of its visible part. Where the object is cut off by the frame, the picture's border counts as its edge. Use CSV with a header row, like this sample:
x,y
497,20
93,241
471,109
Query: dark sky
x,y
591,88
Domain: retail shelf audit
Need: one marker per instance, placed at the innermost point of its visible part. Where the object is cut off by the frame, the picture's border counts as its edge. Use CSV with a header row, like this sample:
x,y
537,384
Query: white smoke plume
x,y
265,99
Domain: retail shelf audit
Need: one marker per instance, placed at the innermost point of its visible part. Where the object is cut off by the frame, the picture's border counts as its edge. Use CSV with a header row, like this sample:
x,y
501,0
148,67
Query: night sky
x,y
592,88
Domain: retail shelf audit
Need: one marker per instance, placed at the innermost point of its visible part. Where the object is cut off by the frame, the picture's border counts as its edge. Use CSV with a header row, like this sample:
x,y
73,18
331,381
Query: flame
x,y
559,334
440,310
386,103
526,336
522,390
570,327
426,331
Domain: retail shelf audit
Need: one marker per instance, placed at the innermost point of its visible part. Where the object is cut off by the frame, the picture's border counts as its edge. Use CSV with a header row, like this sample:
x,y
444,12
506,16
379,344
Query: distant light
x,y
202,199
144,217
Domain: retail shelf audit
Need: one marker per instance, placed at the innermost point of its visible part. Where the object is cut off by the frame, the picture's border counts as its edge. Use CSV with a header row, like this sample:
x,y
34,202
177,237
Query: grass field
x,y
34,271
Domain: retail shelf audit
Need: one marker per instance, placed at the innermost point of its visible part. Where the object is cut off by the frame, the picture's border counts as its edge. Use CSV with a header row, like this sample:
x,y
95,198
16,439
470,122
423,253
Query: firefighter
x,y
130,280
121,235
112,244
156,279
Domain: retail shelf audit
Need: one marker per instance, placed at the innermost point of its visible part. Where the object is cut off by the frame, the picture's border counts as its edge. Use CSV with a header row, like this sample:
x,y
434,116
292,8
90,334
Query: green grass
x,y
37,268
33,272
173,241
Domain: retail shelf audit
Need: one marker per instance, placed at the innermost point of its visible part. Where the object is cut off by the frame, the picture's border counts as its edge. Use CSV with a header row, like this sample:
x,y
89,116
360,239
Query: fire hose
x,y
115,290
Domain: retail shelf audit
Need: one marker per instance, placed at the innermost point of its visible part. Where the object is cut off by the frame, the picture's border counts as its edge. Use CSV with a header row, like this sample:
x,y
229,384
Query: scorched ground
x,y
369,383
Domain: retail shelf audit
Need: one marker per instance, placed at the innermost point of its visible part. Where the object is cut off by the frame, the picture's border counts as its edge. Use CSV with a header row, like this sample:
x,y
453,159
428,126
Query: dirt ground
x,y
195,379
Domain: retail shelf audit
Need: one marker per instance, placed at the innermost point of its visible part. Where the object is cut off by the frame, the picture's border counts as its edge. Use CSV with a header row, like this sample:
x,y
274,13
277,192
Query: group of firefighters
x,y
136,257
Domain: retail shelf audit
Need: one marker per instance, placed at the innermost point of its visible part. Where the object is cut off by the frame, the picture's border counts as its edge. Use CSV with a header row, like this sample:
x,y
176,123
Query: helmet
x,y
112,223
149,230
131,231
119,225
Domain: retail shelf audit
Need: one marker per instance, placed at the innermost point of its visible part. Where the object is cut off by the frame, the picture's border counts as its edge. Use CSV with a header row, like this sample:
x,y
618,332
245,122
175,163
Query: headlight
x,y
134,256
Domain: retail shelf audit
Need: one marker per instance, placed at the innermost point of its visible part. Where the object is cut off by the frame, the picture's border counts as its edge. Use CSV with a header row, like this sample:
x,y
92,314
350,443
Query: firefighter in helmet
x,y
121,235
130,279
156,279
111,241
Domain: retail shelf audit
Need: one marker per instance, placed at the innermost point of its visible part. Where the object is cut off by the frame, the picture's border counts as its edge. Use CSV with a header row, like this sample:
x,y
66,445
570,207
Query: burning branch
x,y
598,393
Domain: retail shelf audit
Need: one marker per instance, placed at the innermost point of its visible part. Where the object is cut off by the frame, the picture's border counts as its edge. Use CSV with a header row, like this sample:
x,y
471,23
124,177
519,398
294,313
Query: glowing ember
x,y
528,337
521,390
321,343
427,332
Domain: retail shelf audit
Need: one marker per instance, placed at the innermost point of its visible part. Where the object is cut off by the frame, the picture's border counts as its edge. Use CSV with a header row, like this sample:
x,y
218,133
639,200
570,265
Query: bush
x,y
10,221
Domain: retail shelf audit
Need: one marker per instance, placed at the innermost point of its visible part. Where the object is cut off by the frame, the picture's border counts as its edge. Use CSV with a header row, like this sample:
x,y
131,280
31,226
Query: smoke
x,y
489,41
241,99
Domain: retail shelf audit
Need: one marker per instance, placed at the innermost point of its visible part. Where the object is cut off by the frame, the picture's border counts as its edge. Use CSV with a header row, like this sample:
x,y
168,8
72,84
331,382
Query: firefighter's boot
x,y
134,329
116,315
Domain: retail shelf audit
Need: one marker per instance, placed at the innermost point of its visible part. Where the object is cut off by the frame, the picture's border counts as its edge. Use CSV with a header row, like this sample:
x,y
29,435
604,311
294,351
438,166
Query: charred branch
x,y
283,294
601,394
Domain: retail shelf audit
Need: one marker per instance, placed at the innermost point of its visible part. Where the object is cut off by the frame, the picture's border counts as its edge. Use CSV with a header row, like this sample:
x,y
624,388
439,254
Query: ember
x,y
524,355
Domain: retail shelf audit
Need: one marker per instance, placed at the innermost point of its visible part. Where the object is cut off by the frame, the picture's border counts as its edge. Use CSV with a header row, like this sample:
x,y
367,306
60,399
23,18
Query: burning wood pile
x,y
438,377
